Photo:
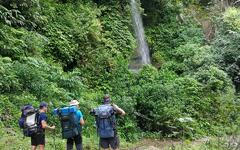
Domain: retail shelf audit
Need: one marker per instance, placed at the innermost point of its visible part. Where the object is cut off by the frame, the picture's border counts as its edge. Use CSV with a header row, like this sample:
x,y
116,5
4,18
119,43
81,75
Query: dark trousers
x,y
38,139
77,140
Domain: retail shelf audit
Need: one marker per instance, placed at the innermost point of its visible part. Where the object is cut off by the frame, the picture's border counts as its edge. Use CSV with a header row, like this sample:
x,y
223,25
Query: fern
x,y
11,17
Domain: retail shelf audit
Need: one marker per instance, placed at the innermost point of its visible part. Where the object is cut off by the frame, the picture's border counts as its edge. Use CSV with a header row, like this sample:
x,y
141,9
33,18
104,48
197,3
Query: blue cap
x,y
43,104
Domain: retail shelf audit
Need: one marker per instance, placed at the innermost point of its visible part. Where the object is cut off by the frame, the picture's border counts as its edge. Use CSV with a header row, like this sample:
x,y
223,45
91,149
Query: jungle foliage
x,y
58,50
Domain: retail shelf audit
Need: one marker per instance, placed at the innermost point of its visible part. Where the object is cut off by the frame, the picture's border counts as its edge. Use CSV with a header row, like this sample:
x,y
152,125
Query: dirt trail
x,y
229,142
151,144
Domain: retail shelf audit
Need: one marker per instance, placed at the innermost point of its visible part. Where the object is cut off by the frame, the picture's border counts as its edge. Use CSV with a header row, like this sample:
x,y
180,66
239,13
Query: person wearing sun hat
x,y
77,139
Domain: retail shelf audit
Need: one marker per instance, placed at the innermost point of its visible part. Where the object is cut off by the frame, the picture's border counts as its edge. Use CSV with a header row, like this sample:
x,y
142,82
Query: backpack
x,y
69,122
28,121
105,120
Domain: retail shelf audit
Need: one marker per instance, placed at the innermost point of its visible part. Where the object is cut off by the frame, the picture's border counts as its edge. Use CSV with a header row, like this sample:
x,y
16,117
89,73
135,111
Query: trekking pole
x,y
54,139
99,146
54,131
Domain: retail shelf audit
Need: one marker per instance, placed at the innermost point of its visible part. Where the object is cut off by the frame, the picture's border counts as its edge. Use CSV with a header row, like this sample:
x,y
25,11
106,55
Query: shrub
x,y
232,18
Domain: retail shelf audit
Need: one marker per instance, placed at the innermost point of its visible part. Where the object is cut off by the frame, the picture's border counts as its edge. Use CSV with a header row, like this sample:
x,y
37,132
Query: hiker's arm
x,y
119,110
82,122
46,126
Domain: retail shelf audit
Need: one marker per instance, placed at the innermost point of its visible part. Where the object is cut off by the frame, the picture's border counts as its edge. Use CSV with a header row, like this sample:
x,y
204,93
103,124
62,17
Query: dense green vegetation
x,y
58,50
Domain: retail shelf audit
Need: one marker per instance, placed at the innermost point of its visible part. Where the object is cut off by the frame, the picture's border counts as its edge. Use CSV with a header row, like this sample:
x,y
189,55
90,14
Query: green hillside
x,y
59,50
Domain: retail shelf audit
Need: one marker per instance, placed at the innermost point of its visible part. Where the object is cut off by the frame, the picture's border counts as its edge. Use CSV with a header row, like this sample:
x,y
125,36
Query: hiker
x,y
78,138
106,123
39,137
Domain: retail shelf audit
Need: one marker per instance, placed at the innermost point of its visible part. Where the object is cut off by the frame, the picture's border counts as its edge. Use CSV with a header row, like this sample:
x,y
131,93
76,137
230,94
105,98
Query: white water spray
x,y
139,31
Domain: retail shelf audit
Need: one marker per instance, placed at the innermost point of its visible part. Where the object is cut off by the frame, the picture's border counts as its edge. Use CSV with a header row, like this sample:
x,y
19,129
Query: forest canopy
x,y
59,50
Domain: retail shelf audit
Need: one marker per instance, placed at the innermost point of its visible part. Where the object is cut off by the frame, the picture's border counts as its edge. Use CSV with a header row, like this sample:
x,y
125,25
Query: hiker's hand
x,y
119,110
115,106
52,127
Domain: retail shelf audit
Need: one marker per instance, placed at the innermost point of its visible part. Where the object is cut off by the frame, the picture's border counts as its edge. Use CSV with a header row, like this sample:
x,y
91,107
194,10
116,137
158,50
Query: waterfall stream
x,y
142,48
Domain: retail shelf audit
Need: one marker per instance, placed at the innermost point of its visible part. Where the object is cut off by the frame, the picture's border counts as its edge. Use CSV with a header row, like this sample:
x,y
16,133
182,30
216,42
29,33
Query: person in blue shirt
x,y
77,139
38,139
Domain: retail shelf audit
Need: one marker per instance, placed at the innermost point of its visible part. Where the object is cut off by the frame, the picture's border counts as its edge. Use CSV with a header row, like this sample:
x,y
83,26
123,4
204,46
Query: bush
x,y
8,80
172,105
225,45
16,43
166,104
232,18
213,79
21,13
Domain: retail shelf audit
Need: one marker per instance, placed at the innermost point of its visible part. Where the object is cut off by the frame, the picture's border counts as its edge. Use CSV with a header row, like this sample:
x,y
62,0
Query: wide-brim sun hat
x,y
73,103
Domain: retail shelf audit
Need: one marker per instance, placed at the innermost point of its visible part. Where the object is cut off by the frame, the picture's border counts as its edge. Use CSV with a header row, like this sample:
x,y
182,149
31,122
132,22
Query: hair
x,y
41,107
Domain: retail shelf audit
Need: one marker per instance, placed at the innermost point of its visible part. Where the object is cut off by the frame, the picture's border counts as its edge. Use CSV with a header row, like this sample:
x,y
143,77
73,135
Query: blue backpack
x,y
28,121
69,122
105,120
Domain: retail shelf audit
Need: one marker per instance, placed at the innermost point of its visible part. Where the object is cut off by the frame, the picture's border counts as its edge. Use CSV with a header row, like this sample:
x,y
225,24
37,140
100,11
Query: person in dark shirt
x,y
39,138
113,142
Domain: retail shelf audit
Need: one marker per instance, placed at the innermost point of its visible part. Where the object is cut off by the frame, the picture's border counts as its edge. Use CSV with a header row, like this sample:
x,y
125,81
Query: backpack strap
x,y
40,130
113,121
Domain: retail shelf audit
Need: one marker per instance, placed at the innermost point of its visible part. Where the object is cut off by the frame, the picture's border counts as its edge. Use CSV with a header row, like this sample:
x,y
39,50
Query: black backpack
x,y
29,120
69,122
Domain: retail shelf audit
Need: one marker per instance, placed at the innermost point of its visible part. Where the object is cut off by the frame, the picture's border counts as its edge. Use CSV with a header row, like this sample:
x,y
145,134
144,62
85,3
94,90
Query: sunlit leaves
x,y
232,18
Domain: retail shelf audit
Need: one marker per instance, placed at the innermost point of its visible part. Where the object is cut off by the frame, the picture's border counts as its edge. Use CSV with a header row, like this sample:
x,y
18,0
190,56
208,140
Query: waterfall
x,y
142,49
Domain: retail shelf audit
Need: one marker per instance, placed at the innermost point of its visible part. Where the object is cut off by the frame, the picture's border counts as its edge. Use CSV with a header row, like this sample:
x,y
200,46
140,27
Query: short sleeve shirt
x,y
79,115
42,117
